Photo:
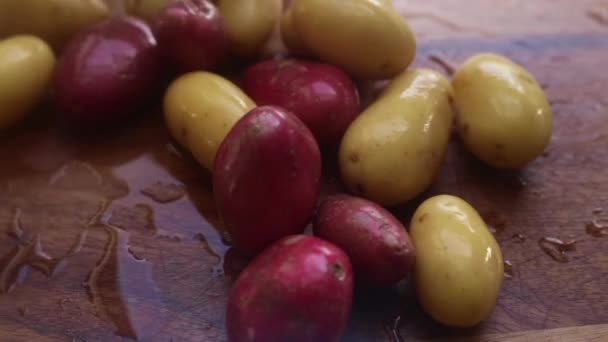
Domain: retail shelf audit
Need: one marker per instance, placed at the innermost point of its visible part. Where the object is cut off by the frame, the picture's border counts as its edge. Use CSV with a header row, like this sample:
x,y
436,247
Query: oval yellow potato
x,y
291,38
459,267
504,117
146,9
392,151
387,3
249,23
366,38
55,21
26,67
200,109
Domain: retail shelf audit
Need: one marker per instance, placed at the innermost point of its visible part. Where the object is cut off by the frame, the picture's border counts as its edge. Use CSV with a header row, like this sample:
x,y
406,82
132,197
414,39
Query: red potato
x,y
266,178
191,34
376,242
299,289
321,95
106,71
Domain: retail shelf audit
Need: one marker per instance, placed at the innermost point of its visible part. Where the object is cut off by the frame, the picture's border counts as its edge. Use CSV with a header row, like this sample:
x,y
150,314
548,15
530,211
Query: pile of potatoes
x,y
262,136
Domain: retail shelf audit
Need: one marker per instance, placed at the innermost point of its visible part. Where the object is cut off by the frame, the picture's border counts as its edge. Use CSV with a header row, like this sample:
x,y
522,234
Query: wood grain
x,y
589,333
113,261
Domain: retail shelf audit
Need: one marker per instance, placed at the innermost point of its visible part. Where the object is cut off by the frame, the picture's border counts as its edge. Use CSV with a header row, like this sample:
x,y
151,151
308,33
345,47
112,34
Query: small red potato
x,y
106,71
321,95
266,178
299,289
376,242
191,34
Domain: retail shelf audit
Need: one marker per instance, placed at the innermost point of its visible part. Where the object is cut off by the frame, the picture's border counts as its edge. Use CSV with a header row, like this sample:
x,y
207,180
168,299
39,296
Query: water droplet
x,y
393,330
521,181
81,176
137,218
226,238
16,230
164,234
77,247
508,266
174,151
76,174
164,192
446,65
496,222
519,238
63,302
97,218
217,270
134,255
14,265
123,290
200,237
556,248
596,229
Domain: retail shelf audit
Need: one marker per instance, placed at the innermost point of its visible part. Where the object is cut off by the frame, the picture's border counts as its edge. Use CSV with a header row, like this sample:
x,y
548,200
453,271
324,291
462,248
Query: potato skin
x,y
266,178
299,289
291,37
392,151
106,71
459,265
378,245
503,117
249,24
55,21
200,108
191,35
364,37
321,95
26,68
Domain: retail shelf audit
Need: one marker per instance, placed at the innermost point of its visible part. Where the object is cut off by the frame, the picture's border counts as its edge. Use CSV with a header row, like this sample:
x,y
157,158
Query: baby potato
x,y
504,117
393,150
200,109
55,21
26,68
387,3
377,244
191,35
366,38
106,72
291,37
249,23
459,267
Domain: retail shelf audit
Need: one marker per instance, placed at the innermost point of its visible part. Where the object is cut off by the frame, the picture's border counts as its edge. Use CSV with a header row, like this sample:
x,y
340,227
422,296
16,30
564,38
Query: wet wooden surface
x,y
116,236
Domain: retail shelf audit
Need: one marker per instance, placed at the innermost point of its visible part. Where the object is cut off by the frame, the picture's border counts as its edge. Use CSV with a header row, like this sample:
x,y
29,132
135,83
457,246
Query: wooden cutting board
x,y
116,237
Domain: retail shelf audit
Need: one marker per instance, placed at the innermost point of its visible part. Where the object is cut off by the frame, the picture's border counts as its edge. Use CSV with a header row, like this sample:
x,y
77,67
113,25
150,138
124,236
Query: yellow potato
x,y
459,266
249,23
146,9
387,3
200,109
367,38
392,151
504,117
291,37
55,21
26,67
